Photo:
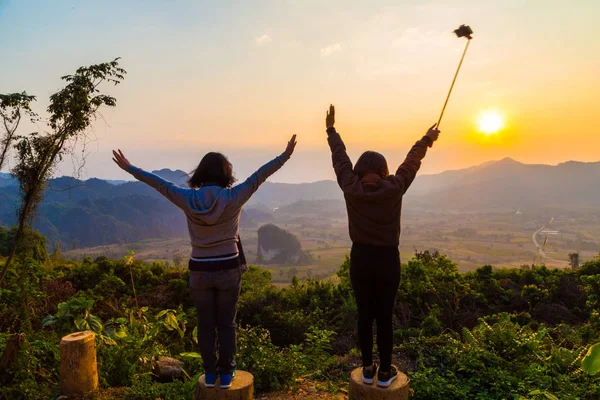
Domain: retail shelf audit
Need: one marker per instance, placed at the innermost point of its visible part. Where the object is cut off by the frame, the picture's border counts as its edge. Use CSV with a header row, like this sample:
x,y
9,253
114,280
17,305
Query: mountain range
x,y
95,211
509,185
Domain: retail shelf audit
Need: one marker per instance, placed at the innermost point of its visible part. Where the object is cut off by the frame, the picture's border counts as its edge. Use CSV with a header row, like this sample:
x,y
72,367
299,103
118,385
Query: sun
x,y
490,122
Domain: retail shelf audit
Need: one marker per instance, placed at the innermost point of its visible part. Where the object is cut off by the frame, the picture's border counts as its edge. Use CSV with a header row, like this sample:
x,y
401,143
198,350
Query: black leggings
x,y
375,276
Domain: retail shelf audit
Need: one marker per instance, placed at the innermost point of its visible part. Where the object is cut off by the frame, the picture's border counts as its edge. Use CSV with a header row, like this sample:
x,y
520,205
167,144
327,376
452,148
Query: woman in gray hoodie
x,y
213,206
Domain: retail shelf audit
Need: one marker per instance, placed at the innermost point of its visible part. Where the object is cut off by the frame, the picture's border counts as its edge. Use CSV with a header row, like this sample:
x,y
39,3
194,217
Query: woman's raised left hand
x,y
120,160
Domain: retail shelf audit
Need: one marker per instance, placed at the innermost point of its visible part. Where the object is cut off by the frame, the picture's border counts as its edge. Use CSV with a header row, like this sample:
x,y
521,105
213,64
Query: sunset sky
x,y
242,76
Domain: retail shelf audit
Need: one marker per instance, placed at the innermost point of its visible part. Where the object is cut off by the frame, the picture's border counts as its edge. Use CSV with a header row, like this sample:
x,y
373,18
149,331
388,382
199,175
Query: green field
x,y
471,240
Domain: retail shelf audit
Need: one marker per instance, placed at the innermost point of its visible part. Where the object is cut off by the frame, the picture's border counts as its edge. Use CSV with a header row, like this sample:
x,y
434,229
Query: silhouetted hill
x,y
278,246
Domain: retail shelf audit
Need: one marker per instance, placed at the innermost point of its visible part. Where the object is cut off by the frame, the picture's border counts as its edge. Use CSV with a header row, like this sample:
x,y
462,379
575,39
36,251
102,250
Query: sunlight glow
x,y
490,122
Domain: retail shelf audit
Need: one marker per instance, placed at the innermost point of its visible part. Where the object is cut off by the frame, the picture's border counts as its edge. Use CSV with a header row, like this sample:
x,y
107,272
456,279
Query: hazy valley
x,y
486,214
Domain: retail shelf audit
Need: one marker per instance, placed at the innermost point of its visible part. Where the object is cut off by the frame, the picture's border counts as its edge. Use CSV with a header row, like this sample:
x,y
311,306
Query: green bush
x,y
497,361
34,374
488,334
142,388
275,367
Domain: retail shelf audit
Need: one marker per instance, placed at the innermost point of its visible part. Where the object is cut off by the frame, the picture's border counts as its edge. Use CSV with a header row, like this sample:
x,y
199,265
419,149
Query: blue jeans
x,y
215,295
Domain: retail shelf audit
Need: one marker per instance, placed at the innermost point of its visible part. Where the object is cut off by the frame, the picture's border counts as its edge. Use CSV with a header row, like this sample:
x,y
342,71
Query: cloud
x,y
329,50
418,38
263,40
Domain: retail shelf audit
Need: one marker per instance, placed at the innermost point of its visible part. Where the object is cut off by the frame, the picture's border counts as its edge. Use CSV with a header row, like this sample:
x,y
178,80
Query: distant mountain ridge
x,y
509,184
96,211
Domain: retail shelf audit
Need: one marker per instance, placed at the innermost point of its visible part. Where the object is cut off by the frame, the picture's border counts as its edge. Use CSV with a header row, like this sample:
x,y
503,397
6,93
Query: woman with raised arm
x,y
212,206
374,203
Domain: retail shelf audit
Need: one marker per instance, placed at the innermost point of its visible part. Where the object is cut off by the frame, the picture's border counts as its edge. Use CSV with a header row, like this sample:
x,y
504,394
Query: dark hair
x,y
214,168
371,162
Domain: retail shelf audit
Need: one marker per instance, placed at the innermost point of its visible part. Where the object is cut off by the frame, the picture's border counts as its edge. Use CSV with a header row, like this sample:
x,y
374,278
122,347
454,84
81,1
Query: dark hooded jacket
x,y
374,206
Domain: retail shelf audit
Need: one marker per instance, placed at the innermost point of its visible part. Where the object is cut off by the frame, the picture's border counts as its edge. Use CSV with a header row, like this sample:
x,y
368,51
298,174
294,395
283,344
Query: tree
x,y
33,244
574,260
72,110
178,260
13,107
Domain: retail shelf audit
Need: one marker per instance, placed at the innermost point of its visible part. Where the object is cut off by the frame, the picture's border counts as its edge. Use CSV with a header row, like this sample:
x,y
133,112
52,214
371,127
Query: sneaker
x,y
368,374
210,380
385,379
226,380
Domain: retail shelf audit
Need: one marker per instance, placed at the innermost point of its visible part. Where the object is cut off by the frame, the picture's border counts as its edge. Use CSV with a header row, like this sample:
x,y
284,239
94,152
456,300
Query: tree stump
x,y
242,388
398,390
78,369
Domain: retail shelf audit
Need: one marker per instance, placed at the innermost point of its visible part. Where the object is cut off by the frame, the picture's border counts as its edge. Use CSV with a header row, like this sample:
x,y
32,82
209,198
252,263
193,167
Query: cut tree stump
x,y
78,369
398,390
242,388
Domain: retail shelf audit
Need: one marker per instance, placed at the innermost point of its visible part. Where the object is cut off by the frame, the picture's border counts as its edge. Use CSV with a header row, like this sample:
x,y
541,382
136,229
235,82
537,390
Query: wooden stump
x,y
242,388
78,369
398,390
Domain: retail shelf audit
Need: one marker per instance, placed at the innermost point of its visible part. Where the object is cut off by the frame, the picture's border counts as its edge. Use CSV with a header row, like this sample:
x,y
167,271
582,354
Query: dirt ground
x,y
305,390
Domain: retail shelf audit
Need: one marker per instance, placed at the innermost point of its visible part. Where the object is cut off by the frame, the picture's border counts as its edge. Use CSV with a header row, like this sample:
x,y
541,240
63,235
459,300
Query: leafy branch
x,y
12,108
72,110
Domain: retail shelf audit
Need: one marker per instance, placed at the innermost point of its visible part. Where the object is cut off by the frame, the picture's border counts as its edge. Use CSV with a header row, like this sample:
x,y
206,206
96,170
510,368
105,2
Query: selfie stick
x,y
462,31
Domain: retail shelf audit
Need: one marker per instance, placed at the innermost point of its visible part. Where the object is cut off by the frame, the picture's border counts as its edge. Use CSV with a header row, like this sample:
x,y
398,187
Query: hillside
x,y
95,211
278,194
509,184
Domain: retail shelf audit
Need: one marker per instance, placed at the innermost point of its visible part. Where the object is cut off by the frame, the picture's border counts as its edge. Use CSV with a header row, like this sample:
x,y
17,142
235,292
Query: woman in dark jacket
x,y
374,204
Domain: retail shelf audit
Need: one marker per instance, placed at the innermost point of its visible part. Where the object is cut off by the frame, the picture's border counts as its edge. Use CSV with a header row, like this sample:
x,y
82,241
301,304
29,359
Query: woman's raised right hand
x,y
433,133
289,150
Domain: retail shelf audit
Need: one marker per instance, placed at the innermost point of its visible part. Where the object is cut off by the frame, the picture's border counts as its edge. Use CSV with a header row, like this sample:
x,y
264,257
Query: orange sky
x,y
242,78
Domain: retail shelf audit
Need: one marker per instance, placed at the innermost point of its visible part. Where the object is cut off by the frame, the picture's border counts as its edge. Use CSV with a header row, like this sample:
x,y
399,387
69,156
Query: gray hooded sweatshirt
x,y
212,212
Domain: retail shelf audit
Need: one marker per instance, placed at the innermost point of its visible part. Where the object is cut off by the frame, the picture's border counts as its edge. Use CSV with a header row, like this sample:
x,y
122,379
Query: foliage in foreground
x,y
489,334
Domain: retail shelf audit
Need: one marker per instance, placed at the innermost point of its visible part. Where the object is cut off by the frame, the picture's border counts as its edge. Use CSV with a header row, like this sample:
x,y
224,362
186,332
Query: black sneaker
x,y
385,379
368,374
